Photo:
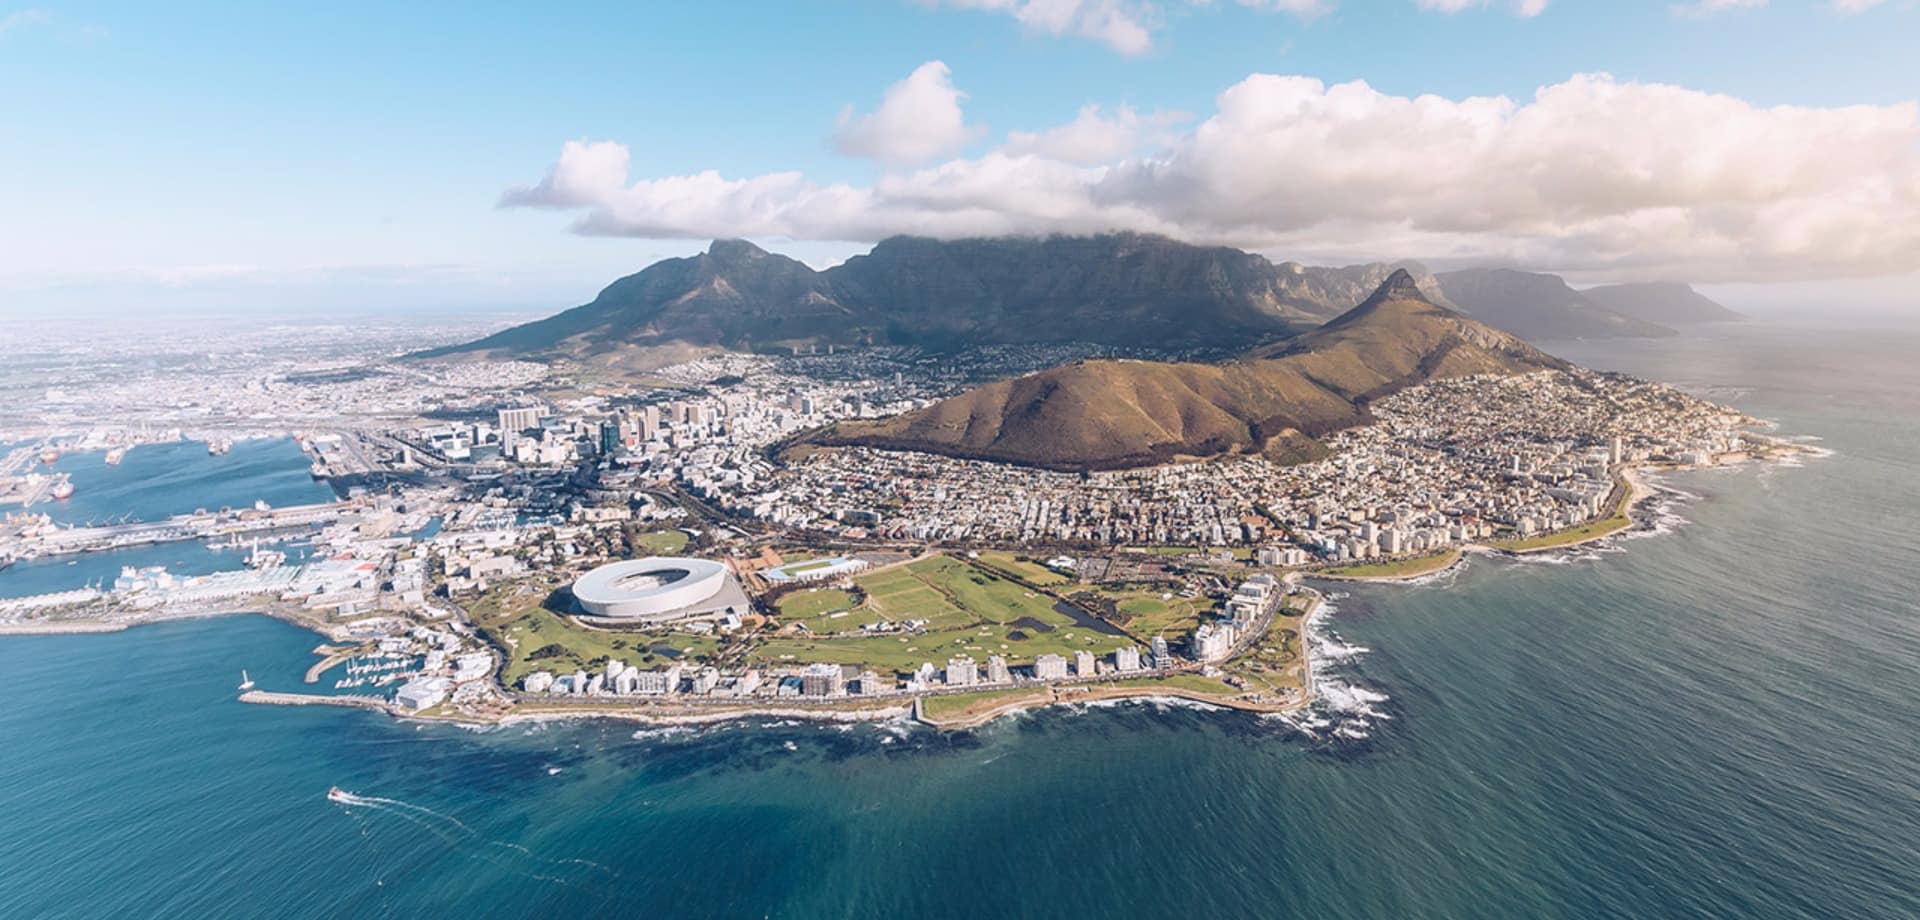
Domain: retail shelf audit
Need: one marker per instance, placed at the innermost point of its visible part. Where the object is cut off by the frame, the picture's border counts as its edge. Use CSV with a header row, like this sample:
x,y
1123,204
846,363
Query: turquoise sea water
x,y
1716,719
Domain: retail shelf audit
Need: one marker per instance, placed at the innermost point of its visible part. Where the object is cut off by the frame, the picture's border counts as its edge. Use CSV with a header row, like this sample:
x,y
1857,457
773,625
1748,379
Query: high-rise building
x,y
1211,642
962,672
1162,657
1083,663
1050,667
514,421
822,680
609,438
1126,659
997,672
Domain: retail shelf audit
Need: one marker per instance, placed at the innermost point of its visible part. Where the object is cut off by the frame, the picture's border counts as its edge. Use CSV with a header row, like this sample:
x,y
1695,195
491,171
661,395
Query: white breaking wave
x,y
668,731
1342,707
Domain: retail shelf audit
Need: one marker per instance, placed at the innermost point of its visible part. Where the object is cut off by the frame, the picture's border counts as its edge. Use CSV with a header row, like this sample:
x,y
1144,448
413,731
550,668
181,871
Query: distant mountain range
x,y
1661,302
1539,307
1277,400
1122,289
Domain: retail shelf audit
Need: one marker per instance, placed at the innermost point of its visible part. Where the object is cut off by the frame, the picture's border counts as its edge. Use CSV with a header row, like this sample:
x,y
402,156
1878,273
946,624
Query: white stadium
x,y
658,589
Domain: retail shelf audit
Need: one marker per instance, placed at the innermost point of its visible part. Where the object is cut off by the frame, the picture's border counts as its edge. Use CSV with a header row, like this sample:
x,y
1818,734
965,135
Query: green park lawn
x,y
1033,572
1397,568
661,542
969,611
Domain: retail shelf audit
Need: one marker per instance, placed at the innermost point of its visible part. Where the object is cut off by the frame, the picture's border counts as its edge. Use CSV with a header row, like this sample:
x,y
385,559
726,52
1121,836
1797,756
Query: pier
x,y
196,526
276,698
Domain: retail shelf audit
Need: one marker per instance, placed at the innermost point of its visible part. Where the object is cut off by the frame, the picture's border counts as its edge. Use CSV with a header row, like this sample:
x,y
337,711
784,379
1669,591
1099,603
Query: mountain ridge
x,y
1117,289
1275,401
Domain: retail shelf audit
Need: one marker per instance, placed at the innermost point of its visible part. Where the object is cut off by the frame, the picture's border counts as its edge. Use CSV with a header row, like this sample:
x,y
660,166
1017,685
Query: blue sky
x,y
166,156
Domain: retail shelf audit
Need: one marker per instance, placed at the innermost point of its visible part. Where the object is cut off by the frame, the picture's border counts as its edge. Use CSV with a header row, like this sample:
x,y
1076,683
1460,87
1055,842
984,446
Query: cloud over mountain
x,y
1589,175
919,118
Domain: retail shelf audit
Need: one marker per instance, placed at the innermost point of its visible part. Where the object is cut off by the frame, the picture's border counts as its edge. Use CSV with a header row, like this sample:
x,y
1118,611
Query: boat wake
x,y
458,835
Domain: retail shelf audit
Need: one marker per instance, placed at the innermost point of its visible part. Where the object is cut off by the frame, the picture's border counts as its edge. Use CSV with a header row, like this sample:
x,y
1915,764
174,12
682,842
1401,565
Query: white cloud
x,y
19,19
1094,137
1124,25
1590,174
1128,26
1523,8
1855,6
1704,8
585,173
919,118
1305,9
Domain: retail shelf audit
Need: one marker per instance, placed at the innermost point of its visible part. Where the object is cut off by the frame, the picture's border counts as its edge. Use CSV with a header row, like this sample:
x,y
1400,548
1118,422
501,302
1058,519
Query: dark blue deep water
x,y
1715,720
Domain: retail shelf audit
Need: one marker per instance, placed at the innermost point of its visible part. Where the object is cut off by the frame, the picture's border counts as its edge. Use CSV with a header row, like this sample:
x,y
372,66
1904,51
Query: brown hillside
x,y
1116,414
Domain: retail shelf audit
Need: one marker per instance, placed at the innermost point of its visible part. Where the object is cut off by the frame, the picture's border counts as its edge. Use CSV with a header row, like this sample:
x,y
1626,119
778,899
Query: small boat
x,y
49,455
115,455
63,491
337,794
246,683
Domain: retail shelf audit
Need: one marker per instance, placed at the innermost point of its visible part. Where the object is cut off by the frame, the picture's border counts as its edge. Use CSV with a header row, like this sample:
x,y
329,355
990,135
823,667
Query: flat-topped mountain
x,y
1276,400
1121,289
1540,307
1669,302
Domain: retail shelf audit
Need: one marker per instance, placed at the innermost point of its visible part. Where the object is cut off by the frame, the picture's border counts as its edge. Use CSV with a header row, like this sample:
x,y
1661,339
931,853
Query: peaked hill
x,y
1276,400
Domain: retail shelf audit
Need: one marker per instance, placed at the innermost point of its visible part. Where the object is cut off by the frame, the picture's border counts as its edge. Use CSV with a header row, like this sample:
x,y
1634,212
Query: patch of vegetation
x,y
1614,523
1398,568
1025,567
1148,612
813,606
660,542
968,610
1198,683
536,638
957,706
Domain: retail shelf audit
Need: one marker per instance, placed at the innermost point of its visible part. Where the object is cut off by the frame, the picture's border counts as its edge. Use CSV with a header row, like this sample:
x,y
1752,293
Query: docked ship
x,y
63,490
218,447
318,469
49,455
115,455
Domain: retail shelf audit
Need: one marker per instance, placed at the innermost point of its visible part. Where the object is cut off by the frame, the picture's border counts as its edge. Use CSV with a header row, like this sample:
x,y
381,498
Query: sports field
x,y
968,610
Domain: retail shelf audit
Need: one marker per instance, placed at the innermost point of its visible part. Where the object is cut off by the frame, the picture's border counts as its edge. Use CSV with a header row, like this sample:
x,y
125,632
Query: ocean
x,y
1713,717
